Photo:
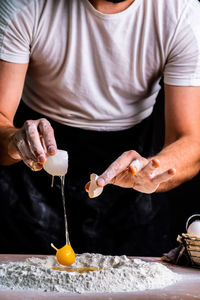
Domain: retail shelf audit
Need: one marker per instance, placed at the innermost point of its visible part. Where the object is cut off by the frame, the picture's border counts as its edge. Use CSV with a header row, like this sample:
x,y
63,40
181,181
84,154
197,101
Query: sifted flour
x,y
116,274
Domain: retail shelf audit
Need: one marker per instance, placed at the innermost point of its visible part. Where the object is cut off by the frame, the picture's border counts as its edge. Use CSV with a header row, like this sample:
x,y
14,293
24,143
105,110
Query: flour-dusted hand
x,y
131,170
33,143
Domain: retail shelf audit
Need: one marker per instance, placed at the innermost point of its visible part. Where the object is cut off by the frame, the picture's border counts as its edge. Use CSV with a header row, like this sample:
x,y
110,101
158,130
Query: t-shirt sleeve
x,y
16,30
183,63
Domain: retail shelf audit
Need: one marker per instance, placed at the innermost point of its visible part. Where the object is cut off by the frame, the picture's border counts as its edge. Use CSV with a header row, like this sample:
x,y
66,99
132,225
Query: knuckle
x,y
32,131
30,127
44,122
45,126
130,153
28,123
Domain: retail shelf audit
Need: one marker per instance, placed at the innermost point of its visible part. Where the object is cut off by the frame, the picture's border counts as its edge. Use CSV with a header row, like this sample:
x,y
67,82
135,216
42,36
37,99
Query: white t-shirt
x,y
100,71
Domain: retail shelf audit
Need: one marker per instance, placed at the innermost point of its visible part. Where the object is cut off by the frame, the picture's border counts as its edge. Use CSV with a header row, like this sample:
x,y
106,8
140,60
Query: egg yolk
x,y
65,255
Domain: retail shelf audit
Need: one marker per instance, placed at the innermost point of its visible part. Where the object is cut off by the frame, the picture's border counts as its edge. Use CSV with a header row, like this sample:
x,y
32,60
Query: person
x,y
84,76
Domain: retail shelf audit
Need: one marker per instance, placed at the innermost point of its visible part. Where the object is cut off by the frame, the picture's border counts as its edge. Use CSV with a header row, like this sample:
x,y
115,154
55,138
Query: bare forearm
x,y
12,77
184,155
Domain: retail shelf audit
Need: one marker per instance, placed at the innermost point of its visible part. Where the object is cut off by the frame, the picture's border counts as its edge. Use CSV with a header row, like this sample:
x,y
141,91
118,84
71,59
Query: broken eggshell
x,y
57,164
94,190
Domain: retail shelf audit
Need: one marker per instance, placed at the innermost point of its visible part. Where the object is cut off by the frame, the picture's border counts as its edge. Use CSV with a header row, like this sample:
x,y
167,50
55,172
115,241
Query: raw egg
x,y
65,255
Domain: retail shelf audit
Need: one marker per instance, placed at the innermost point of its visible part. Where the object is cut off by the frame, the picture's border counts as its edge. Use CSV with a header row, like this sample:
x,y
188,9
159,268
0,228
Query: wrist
x,y
8,153
11,149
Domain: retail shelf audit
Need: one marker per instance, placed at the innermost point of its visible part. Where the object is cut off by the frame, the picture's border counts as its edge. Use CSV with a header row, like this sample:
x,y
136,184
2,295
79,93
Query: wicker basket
x,y
192,245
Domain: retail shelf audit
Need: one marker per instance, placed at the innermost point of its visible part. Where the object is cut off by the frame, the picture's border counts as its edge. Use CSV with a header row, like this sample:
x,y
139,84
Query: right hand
x,y
33,143
131,170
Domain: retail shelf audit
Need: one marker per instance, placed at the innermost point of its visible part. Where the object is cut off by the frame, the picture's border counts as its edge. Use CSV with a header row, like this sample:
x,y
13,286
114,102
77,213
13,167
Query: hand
x,y
33,143
131,170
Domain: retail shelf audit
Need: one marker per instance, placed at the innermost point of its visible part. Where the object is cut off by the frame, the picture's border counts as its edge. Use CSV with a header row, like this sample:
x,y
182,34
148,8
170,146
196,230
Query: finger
x,y
24,150
152,166
123,179
34,166
136,165
119,165
47,133
165,176
28,157
18,148
33,139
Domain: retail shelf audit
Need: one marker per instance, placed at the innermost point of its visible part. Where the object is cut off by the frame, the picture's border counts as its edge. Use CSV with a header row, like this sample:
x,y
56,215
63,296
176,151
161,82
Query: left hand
x,y
131,170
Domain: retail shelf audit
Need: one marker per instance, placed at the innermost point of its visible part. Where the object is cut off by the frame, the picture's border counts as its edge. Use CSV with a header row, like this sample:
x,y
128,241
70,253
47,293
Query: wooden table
x,y
187,288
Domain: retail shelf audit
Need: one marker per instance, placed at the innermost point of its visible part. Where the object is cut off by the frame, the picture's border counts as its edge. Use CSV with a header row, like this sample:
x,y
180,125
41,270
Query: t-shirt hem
x,y
14,59
182,82
115,125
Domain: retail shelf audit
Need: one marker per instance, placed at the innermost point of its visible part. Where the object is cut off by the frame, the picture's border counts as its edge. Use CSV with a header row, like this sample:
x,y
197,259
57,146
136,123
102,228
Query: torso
x,y
98,71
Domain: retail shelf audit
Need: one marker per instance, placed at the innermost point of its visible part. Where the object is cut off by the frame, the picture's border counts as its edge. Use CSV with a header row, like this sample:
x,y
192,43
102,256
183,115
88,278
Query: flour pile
x,y
115,274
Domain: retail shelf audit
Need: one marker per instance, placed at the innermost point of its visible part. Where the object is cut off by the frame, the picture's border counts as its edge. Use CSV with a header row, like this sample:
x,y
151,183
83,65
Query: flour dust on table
x,y
90,273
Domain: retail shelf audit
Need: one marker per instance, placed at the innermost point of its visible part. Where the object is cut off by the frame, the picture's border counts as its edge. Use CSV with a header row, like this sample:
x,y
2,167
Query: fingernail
x,y
52,150
172,171
41,158
133,170
100,182
155,163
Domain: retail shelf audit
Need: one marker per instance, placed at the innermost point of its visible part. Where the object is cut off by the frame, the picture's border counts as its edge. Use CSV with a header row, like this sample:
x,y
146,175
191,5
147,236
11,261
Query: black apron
x,y
119,221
